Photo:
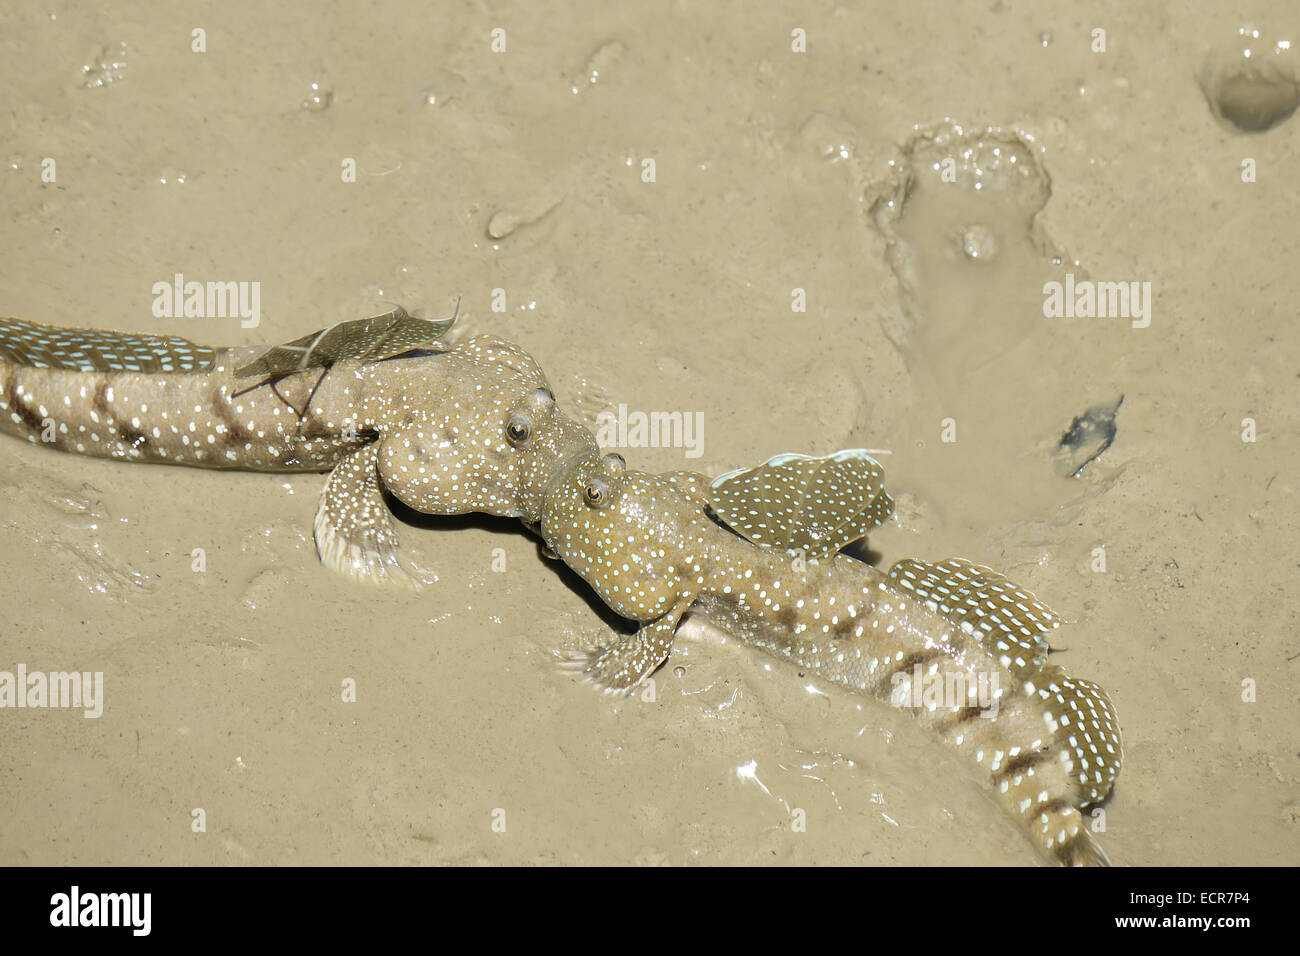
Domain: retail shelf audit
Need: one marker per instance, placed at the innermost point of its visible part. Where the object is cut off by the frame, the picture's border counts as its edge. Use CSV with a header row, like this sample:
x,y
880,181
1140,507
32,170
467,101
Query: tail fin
x,y
1065,837
1084,852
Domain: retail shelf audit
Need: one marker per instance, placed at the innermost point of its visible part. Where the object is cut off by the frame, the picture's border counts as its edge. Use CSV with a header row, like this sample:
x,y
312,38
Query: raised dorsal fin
x,y
797,501
97,350
361,340
1014,624
1007,619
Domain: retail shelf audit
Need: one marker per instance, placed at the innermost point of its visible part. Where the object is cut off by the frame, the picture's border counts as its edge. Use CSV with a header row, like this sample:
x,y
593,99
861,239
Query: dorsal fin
x,y
97,350
360,340
1007,619
797,501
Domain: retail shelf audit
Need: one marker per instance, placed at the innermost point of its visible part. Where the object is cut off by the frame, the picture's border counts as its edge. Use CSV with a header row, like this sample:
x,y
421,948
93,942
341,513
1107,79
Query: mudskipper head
x,y
630,535
476,430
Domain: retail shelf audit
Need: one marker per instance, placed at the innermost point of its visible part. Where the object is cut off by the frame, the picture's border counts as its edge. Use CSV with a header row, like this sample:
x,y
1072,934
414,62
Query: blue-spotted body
x,y
476,428
415,424
650,548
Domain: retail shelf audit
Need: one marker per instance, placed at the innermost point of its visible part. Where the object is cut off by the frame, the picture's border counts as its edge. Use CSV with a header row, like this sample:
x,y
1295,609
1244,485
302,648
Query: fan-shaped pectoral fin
x,y
355,531
631,658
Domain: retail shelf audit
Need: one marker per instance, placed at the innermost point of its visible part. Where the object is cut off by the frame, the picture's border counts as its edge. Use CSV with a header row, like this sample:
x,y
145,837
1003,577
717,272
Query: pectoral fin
x,y
797,501
630,659
355,533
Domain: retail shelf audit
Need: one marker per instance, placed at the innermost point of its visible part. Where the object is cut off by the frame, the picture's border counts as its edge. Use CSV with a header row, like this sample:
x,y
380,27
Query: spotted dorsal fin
x,y
1012,623
797,501
96,350
361,340
1007,619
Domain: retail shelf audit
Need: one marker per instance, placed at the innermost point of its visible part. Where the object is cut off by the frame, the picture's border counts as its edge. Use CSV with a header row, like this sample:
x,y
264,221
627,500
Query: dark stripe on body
x,y
910,660
1022,761
131,438
221,411
100,401
955,718
21,408
1051,805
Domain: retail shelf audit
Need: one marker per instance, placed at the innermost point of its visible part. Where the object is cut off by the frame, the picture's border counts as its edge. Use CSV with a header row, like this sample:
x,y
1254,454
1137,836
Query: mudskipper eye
x,y
518,430
597,493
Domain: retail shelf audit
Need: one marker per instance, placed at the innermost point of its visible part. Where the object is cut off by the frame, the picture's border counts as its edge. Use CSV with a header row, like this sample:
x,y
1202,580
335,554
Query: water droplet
x,y
979,243
319,99
107,67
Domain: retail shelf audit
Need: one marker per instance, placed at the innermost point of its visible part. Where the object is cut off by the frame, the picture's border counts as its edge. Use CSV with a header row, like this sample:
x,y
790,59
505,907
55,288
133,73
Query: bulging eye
x,y
518,430
598,492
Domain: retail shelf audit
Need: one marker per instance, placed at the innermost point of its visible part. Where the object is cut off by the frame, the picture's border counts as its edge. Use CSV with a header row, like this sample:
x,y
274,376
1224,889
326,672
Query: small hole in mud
x,y
1251,85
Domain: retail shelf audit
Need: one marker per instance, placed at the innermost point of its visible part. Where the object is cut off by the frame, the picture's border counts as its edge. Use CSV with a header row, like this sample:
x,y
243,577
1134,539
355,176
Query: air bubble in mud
x,y
991,183
1251,84
976,163
979,243
108,66
982,160
318,100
